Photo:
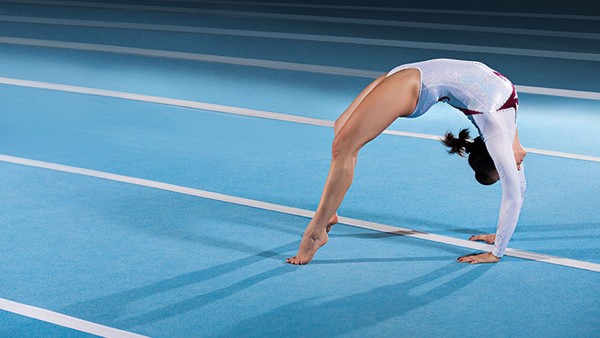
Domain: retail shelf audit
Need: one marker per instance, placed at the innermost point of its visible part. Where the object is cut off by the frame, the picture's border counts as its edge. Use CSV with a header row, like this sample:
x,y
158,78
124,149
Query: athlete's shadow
x,y
357,311
453,251
109,308
384,260
418,223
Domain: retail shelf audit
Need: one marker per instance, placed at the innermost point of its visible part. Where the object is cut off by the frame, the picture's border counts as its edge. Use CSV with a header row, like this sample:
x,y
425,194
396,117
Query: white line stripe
x,y
64,320
247,14
192,57
293,36
260,63
336,39
403,9
561,154
577,94
104,5
245,61
298,212
168,101
237,111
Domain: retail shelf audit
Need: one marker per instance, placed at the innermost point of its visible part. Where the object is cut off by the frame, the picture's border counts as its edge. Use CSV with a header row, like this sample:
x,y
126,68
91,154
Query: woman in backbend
x,y
486,97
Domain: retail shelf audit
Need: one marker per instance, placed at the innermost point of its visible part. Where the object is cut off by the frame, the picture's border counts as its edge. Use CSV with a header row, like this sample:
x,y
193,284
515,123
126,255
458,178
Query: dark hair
x,y
479,158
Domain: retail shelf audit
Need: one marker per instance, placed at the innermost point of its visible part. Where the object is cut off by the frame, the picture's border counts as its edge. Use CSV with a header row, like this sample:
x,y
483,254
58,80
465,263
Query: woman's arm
x,y
513,189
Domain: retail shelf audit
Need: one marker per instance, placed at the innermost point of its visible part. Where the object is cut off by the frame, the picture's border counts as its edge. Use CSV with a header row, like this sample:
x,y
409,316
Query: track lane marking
x,y
64,320
240,111
296,36
537,53
584,265
174,9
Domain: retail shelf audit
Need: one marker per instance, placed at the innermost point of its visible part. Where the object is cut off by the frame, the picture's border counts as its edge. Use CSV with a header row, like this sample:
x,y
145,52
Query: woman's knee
x,y
337,125
342,146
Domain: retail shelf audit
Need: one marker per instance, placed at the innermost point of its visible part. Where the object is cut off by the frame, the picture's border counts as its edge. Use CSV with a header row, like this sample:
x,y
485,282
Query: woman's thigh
x,y
395,96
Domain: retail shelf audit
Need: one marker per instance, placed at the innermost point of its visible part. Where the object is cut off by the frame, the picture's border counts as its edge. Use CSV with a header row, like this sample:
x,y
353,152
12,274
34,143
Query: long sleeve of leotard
x,y
513,189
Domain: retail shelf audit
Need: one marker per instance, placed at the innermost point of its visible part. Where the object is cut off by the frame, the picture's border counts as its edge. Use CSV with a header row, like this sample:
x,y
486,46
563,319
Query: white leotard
x,y
490,101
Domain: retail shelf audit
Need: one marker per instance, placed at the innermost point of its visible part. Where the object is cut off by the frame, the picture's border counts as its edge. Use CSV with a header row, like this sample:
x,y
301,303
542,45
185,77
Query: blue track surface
x,y
164,264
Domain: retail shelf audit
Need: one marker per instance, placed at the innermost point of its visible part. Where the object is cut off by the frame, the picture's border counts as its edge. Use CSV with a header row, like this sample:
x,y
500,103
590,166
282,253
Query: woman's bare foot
x,y
480,258
308,248
332,221
489,239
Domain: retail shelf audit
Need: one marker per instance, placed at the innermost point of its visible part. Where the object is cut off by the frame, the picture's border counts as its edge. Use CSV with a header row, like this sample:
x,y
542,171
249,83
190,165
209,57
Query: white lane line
x,y
243,61
64,320
563,155
237,111
191,57
298,212
404,9
577,94
274,15
167,101
295,36
538,53
260,63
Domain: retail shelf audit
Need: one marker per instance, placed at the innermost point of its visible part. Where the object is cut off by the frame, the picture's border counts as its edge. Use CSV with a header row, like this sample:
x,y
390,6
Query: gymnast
x,y
485,96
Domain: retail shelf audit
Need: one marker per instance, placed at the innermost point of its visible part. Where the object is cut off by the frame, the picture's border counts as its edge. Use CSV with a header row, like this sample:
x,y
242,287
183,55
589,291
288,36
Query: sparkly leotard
x,y
469,86
490,101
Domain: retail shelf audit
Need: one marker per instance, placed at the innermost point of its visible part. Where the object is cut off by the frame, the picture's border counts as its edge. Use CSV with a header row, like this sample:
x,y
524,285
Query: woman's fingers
x,y
478,258
488,238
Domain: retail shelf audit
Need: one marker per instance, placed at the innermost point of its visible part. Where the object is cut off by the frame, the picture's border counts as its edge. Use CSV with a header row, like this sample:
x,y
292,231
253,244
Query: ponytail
x,y
460,145
479,158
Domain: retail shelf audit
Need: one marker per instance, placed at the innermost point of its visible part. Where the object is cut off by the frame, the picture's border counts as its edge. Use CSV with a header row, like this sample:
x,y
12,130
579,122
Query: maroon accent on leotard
x,y
512,102
467,111
502,76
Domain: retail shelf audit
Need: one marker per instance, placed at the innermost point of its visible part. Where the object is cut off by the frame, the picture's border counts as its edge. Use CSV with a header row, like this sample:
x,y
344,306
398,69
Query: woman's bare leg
x,y
341,121
392,97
